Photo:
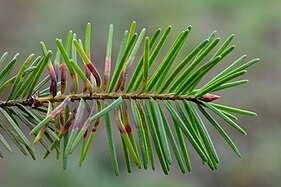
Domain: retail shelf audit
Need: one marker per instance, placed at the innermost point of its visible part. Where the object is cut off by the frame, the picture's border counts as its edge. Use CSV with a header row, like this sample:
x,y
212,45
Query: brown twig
x,y
30,101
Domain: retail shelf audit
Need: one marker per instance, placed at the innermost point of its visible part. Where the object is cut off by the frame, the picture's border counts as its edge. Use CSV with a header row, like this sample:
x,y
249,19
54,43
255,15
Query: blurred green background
x,y
257,26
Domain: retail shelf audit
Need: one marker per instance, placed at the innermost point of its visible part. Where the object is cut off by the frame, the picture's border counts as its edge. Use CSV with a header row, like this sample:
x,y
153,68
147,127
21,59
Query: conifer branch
x,y
158,94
